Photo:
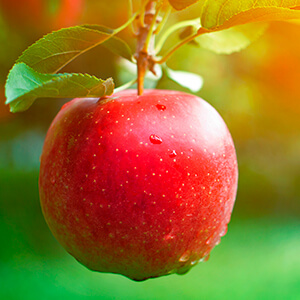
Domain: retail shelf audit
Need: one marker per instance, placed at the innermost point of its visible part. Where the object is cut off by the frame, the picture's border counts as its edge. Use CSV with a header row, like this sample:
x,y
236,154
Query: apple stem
x,y
145,42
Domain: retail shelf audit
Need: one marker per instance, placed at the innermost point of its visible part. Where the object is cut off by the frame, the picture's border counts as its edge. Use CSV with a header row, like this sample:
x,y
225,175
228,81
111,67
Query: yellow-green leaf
x,y
222,14
232,39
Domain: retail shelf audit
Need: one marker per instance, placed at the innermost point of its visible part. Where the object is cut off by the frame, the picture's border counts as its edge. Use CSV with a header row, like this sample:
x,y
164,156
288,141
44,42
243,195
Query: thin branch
x,y
126,24
142,16
130,4
163,21
130,13
184,42
172,29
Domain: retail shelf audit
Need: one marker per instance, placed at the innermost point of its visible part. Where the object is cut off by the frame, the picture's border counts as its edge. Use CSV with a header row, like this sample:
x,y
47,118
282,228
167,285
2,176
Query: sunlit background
x,y
257,91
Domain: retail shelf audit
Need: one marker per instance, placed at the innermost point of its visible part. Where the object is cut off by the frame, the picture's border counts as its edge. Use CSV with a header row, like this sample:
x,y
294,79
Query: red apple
x,y
142,186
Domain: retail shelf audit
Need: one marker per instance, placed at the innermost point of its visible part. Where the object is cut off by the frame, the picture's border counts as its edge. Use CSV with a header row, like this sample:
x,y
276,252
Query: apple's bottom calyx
x,y
142,186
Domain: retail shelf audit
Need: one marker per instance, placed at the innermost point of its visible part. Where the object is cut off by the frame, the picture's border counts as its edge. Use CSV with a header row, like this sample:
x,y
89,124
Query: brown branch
x,y
145,46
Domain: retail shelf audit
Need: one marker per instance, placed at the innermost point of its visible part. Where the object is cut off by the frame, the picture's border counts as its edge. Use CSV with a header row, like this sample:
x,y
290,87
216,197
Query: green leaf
x,y
24,85
55,50
233,39
191,81
182,4
114,44
119,47
222,14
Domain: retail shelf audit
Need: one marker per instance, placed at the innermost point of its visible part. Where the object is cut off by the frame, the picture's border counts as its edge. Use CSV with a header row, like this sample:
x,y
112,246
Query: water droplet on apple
x,y
170,235
53,180
183,270
224,231
204,258
173,154
194,262
155,139
185,256
161,107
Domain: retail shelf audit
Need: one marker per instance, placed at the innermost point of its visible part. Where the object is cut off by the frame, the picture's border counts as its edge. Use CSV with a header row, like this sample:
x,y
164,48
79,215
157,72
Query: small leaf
x,y
222,14
24,85
191,81
119,47
114,44
55,50
182,4
233,39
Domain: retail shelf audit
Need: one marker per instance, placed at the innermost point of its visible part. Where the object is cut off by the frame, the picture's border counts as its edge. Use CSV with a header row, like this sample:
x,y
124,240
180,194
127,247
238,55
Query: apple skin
x,y
142,186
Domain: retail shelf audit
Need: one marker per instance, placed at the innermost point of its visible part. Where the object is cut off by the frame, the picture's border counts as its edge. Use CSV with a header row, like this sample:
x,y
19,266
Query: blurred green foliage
x,y
256,91
258,259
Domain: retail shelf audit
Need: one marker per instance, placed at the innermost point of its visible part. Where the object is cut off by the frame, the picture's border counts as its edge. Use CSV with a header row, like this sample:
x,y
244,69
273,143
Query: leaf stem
x,y
119,29
130,13
172,29
184,42
130,7
142,16
163,21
